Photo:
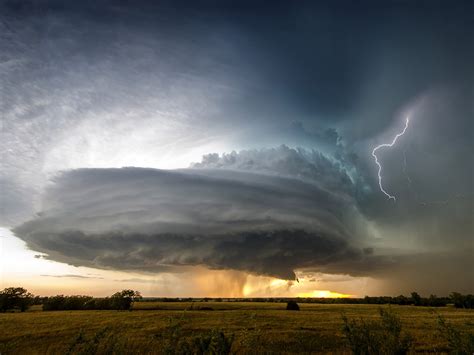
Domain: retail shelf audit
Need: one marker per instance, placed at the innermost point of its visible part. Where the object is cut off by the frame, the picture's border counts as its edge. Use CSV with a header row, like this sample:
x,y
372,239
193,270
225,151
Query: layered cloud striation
x,y
269,217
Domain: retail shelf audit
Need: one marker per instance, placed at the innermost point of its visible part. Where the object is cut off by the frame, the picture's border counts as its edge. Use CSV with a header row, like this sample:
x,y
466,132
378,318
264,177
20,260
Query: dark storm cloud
x,y
451,270
276,253
320,61
430,172
153,220
281,73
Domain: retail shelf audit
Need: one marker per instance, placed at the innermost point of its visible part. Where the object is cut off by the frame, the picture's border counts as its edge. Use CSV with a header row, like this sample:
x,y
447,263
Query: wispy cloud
x,y
73,276
137,280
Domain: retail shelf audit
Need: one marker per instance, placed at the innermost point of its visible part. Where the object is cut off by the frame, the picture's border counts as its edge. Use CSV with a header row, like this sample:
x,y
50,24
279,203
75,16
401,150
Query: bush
x,y
462,301
458,342
60,302
205,308
292,306
377,337
103,341
120,301
434,301
210,342
416,299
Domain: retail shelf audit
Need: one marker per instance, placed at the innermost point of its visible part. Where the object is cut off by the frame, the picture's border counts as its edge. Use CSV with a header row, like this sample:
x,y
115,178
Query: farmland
x,y
156,327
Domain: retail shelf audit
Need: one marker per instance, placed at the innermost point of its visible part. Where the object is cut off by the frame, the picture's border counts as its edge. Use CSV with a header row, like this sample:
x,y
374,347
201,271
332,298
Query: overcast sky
x,y
151,143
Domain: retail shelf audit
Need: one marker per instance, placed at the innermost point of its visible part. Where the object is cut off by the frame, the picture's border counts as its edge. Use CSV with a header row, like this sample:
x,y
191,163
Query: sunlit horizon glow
x,y
44,277
323,294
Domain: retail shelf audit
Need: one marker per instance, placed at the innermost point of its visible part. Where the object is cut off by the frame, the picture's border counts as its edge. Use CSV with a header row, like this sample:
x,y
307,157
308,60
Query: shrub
x,y
121,301
377,337
210,342
103,341
462,301
416,299
292,306
205,308
458,342
434,301
60,302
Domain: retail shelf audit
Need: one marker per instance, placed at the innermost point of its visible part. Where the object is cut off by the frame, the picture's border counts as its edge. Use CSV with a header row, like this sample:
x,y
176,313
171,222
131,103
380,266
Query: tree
x,y
123,300
15,298
416,299
462,301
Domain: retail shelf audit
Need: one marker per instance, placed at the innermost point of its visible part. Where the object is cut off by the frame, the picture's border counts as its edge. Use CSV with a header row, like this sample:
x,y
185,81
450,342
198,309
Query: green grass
x,y
256,327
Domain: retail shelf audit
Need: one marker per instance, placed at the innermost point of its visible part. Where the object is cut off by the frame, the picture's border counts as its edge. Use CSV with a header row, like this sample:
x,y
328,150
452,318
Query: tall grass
x,y
383,336
459,343
211,342
104,341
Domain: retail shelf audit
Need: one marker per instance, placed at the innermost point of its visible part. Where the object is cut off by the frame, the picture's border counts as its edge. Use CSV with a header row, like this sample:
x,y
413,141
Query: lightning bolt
x,y
388,145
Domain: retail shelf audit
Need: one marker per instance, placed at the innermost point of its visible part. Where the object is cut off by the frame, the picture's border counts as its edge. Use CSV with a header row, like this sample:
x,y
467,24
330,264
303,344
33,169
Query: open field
x,y
154,327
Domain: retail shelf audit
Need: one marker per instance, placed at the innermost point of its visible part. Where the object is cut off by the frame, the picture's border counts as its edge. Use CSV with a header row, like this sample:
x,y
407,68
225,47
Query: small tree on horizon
x,y
416,298
123,300
15,298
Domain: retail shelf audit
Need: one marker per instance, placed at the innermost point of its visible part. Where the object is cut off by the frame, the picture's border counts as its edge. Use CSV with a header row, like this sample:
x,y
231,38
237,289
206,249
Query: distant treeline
x,y
18,298
457,299
120,301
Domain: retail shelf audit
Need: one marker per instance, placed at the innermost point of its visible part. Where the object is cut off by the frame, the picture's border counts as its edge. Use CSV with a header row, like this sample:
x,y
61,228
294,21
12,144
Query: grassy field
x,y
156,327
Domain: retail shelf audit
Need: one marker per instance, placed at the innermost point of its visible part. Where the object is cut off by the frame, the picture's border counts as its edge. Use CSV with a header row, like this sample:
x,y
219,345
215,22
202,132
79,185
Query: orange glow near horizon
x,y
21,266
323,294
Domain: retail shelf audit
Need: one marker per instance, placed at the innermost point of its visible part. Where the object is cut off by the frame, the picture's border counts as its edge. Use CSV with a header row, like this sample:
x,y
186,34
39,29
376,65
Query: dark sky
x,y
270,111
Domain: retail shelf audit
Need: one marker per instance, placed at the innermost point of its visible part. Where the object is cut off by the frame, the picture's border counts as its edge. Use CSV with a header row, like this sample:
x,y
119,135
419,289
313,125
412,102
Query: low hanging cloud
x,y
268,220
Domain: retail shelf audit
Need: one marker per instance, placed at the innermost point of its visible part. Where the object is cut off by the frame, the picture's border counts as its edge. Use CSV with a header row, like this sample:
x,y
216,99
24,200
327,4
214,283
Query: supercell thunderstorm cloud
x,y
247,219
151,136
147,219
